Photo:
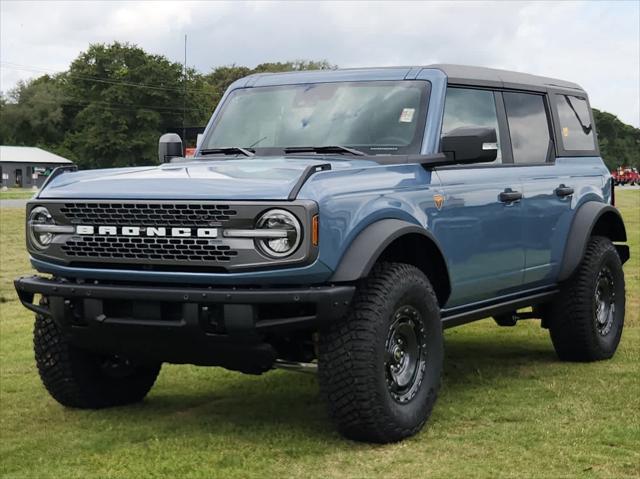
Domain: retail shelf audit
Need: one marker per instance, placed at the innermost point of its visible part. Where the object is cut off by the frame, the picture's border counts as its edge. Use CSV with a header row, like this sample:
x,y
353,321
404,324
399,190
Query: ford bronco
x,y
333,221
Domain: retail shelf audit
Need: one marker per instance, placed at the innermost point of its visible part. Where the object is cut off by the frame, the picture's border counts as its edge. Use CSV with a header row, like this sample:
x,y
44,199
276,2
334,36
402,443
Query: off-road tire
x,y
352,372
77,378
572,319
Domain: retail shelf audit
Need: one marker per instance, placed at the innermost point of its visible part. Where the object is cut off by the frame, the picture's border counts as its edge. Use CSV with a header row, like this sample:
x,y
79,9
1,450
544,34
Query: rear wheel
x,y
586,320
80,379
380,367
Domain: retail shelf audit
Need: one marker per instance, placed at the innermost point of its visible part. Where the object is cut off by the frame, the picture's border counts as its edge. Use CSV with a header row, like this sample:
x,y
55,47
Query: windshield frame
x,y
414,148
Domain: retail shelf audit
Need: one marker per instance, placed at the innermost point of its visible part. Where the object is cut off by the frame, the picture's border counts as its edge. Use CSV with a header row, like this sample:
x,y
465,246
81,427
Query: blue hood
x,y
265,178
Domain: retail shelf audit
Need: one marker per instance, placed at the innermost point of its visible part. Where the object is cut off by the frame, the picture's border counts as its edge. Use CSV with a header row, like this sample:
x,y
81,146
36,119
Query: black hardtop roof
x,y
456,74
463,74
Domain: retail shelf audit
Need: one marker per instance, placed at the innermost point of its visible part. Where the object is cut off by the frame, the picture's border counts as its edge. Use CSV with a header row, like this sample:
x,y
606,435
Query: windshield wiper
x,y
324,149
227,150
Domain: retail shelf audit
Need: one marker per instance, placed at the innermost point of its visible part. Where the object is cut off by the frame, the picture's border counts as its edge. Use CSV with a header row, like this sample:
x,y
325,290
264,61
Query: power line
x,y
18,66
109,106
134,105
62,99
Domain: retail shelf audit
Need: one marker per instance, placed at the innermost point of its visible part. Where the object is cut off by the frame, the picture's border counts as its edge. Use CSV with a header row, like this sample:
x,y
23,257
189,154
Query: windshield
x,y
377,117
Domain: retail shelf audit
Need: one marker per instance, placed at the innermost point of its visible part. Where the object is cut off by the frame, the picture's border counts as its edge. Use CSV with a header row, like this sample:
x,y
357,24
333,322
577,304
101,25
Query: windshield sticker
x,y
407,115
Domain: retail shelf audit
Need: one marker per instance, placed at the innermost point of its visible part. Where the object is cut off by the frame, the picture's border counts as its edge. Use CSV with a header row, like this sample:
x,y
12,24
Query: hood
x,y
261,178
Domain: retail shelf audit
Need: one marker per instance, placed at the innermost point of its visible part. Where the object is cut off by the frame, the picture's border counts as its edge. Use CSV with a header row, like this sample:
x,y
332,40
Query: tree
x,y
619,143
32,114
120,100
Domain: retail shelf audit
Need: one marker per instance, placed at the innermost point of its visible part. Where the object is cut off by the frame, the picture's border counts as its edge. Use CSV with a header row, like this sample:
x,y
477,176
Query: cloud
x,y
595,44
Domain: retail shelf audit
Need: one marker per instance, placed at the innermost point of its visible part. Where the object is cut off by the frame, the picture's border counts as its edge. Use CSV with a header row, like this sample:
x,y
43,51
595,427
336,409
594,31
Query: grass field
x,y
17,194
508,408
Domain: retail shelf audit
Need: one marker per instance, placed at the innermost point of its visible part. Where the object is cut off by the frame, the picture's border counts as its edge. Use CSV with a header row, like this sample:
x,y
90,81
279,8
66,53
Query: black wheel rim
x,y
406,350
604,301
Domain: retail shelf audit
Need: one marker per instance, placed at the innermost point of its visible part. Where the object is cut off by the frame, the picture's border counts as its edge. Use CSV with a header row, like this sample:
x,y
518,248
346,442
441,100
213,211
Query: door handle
x,y
509,196
563,190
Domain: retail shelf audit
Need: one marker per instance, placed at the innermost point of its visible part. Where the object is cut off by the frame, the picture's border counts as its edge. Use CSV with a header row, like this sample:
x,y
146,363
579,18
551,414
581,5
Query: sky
x,y
595,44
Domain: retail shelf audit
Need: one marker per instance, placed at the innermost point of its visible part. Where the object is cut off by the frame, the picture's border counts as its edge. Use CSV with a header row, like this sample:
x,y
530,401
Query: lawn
x,y
508,408
17,194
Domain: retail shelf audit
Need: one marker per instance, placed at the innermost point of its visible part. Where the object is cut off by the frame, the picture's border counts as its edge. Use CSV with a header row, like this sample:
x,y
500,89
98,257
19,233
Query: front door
x,y
479,225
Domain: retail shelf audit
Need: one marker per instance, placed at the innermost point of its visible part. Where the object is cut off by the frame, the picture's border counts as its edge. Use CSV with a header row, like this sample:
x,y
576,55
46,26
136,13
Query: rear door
x,y
547,188
479,224
552,185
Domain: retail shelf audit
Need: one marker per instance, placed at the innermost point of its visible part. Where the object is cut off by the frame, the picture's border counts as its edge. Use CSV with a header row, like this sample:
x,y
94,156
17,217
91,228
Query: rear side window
x,y
466,107
575,123
528,126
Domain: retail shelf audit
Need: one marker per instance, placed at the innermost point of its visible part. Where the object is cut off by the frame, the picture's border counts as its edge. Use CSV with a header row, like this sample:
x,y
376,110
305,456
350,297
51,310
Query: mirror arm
x,y
445,158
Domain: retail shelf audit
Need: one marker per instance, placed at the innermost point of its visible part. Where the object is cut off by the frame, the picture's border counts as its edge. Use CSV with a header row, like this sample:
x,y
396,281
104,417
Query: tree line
x,y
112,104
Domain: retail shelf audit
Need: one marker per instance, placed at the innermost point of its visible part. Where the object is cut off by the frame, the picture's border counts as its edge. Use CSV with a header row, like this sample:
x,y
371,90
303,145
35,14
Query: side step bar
x,y
452,317
300,367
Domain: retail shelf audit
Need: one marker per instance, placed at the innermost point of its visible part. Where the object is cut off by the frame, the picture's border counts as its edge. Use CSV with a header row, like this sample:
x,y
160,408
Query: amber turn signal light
x,y
315,233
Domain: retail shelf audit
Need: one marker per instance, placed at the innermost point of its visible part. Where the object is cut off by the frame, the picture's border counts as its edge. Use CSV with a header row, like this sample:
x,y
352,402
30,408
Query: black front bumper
x,y
211,326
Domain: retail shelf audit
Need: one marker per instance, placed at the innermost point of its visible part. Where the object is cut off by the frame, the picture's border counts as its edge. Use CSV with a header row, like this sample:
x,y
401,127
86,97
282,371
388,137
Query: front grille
x,y
148,214
166,249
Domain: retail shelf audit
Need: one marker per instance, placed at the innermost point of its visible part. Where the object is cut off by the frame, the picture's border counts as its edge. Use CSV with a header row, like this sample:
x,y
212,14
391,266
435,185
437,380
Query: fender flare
x,y
582,227
366,248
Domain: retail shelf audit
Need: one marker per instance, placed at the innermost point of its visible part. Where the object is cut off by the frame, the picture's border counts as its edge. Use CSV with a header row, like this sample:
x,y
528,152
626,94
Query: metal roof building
x,y
27,166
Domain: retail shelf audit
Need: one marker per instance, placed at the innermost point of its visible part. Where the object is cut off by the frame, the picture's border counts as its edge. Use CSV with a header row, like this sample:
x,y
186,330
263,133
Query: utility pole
x,y
184,96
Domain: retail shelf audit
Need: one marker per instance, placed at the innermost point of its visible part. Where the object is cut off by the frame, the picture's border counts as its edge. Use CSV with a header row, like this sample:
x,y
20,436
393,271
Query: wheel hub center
x,y
398,354
604,299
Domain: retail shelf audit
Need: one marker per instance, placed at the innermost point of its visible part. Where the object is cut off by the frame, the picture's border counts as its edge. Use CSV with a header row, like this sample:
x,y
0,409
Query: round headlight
x,y
286,233
40,238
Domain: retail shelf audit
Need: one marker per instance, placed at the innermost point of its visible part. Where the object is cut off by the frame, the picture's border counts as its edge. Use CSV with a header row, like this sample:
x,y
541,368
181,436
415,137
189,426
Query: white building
x,y
27,166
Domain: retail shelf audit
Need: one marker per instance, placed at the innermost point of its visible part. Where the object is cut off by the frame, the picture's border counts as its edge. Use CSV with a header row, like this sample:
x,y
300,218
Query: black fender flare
x,y
588,216
366,248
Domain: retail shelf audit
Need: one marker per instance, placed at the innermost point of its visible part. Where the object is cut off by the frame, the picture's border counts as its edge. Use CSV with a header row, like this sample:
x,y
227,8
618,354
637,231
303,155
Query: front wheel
x,y
587,318
80,379
379,368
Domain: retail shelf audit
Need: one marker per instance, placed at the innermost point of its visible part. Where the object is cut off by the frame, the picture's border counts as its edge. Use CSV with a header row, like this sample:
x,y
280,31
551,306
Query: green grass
x,y
507,408
17,194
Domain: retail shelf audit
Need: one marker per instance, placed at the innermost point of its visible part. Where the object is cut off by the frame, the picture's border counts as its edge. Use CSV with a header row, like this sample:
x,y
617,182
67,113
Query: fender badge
x,y
439,201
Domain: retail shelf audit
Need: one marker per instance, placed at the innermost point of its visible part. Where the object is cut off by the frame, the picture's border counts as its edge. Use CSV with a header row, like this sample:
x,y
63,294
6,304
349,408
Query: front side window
x,y
377,117
575,123
468,108
528,126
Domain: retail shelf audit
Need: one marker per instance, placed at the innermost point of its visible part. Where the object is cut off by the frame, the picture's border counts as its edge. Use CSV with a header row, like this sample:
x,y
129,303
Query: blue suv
x,y
333,221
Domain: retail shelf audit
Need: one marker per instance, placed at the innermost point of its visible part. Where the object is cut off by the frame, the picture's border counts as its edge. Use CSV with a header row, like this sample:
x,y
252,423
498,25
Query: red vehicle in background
x,y
625,175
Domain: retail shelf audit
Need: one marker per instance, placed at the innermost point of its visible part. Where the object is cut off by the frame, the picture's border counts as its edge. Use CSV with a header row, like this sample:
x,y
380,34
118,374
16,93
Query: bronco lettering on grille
x,y
146,231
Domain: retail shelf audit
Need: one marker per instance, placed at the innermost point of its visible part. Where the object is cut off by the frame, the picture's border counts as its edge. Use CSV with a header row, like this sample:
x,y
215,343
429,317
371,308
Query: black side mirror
x,y
169,146
473,144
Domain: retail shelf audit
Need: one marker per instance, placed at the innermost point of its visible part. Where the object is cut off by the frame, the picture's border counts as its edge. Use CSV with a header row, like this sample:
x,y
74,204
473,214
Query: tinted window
x,y
528,126
575,123
465,107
